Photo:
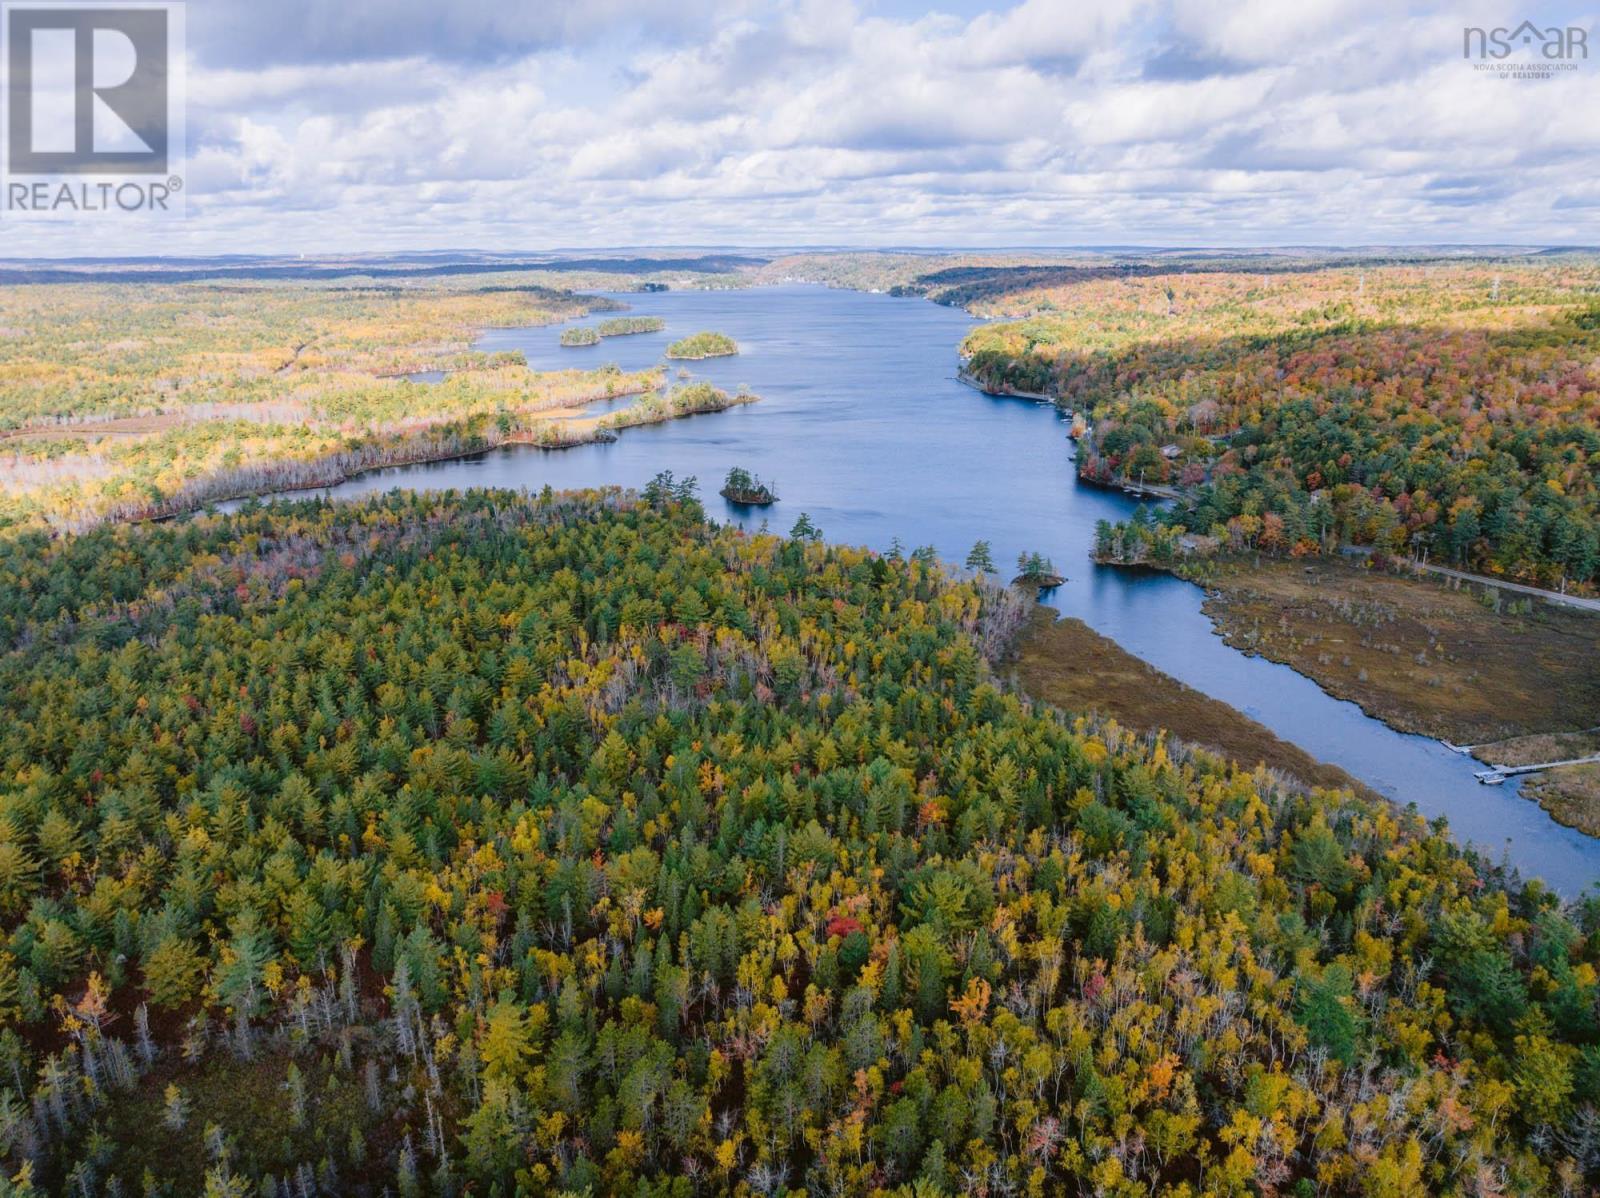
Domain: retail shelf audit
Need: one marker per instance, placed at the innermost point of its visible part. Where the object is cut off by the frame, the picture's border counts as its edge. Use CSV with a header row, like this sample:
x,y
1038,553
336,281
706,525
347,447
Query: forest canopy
x,y
495,843
627,326
1448,410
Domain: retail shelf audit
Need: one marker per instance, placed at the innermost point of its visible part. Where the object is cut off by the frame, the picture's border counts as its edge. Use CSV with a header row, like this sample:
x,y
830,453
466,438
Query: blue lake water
x,y
863,425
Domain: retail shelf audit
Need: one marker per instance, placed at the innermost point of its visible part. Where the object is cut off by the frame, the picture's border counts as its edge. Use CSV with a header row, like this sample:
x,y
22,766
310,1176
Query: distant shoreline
x,y
589,431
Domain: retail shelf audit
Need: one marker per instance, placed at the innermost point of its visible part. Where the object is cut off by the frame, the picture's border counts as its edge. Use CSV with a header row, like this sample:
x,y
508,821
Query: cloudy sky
x,y
334,125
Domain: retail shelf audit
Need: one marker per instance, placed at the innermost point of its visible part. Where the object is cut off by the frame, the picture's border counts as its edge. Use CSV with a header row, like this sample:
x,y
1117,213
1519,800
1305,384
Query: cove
x,y
864,425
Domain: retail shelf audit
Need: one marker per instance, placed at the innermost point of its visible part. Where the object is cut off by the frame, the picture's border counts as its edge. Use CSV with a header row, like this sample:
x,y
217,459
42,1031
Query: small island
x,y
626,326
743,487
690,400
1037,571
581,336
703,345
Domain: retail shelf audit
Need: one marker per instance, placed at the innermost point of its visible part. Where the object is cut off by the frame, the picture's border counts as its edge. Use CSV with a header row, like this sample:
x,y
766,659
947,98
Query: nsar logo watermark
x,y
1527,51
94,108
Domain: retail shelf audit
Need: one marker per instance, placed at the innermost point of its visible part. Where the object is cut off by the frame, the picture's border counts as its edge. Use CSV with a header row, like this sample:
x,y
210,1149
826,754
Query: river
x,y
863,425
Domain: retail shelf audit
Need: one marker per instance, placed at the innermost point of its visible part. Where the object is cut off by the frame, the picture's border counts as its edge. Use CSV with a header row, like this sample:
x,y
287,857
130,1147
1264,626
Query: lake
x,y
864,425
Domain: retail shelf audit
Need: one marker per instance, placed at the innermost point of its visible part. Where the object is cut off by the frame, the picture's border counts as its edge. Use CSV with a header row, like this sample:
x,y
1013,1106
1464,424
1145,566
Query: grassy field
x,y
1530,750
1571,795
1067,663
1421,656
1517,678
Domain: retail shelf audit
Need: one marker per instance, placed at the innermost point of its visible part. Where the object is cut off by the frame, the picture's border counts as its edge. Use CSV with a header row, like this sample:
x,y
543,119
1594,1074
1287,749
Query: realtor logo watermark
x,y
1526,51
94,109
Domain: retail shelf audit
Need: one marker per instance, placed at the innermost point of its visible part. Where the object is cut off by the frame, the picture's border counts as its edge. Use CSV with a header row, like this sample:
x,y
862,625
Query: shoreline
x,y
1062,661
1424,660
591,431
1216,607
1217,595
1159,491
962,376
326,471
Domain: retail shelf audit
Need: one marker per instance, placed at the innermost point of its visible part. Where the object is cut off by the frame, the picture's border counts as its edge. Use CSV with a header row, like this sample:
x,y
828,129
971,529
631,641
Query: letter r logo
x,y
87,89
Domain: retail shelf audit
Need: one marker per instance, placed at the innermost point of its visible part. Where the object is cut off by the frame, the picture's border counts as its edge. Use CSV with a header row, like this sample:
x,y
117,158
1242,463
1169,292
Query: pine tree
x,y
1103,538
176,1108
295,1085
507,1041
172,972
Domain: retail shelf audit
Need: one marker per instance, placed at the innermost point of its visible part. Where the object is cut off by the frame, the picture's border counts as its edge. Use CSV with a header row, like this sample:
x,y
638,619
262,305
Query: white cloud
x,y
1277,31
1047,31
395,123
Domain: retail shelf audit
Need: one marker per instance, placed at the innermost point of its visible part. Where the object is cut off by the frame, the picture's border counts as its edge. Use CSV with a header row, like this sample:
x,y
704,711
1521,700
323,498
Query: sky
x,y
326,126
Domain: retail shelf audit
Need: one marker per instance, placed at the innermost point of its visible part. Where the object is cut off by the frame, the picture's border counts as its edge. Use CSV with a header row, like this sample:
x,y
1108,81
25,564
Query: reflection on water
x,y
864,426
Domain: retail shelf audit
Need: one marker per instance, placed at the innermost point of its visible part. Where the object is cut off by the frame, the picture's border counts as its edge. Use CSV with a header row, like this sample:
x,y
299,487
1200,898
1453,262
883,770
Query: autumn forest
x,y
1452,410
502,843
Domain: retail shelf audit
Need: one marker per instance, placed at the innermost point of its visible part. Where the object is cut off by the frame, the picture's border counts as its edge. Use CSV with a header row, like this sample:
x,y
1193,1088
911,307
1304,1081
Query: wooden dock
x,y
1151,491
1497,774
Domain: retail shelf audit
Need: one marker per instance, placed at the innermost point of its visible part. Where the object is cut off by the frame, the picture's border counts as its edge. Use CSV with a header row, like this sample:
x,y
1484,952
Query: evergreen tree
x,y
804,530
